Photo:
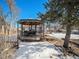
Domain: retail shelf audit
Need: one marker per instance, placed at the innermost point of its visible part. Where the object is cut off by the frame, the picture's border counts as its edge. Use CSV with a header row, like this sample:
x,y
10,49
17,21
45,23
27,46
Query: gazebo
x,y
30,29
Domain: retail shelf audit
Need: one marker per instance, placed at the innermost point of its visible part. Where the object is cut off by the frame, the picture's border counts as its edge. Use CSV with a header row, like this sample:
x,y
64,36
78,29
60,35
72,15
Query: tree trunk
x,y
67,37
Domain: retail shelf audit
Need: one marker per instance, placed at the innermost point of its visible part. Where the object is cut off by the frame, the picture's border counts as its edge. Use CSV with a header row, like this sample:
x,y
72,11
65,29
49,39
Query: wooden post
x,y
17,44
21,30
35,28
31,27
43,30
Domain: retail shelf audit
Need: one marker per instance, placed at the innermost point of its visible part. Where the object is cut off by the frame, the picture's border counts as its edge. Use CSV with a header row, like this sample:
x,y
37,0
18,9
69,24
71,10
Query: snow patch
x,y
62,35
39,50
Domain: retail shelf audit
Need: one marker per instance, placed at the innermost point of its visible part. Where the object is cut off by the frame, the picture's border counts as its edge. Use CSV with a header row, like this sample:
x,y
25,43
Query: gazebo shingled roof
x,y
29,22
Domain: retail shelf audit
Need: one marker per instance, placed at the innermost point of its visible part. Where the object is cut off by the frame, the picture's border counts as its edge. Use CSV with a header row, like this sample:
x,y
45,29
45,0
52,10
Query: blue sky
x,y
27,8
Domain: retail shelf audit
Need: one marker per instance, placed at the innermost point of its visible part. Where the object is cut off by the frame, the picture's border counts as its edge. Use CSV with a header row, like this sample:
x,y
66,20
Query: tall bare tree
x,y
13,11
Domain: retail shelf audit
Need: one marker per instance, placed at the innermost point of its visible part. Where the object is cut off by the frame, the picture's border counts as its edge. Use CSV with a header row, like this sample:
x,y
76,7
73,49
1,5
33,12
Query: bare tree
x,y
4,16
13,11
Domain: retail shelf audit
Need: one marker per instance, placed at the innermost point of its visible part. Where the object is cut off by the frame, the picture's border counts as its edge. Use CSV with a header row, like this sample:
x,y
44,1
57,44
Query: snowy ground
x,y
62,35
40,50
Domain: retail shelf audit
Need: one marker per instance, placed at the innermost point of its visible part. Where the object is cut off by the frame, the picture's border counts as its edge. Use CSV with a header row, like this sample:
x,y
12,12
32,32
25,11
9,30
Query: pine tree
x,y
65,11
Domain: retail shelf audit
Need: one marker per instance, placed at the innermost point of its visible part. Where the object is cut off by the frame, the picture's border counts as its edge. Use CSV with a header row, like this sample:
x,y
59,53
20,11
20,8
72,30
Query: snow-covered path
x,y
62,35
39,50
